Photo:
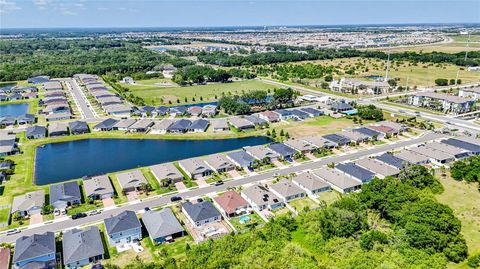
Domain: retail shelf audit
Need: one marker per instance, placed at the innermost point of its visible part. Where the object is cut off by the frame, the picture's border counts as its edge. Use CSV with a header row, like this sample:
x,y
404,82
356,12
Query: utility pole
x,y
465,59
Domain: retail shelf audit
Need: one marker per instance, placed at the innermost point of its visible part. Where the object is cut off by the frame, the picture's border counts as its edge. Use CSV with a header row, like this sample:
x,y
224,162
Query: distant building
x,y
443,102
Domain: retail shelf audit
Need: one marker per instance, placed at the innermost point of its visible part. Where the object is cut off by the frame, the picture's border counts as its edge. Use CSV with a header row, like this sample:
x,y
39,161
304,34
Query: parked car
x,y
13,231
218,183
94,212
79,215
175,198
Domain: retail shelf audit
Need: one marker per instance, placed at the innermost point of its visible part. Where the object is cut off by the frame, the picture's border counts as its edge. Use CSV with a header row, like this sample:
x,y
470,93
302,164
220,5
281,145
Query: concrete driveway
x,y
180,186
108,202
132,196
233,173
36,218
278,163
202,183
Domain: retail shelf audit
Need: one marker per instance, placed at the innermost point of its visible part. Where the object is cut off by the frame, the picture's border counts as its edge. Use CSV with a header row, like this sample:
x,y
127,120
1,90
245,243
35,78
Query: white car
x,y
13,231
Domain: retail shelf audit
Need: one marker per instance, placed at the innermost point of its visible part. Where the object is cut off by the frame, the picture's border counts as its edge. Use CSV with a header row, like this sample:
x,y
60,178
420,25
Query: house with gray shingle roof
x,y
381,169
201,213
162,225
198,126
241,123
300,145
219,125
123,125
195,168
79,127
161,127
64,195
57,129
28,204
105,125
166,173
285,152
241,158
35,132
260,197
82,247
98,187
287,190
141,126
35,251
219,163
311,183
132,180
338,180
123,228
261,152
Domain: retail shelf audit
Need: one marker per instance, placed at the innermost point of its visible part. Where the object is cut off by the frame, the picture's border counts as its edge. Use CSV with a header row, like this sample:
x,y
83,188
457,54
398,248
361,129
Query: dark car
x,y
79,215
218,183
175,198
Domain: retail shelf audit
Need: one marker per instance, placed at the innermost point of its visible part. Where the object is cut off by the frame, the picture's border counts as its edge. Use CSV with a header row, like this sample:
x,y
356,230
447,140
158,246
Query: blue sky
x,y
163,13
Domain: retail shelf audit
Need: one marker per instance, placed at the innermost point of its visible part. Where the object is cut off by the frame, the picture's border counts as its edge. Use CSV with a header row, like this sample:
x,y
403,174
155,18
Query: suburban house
x,y
284,114
82,247
117,109
161,110
166,173
458,153
26,119
147,111
35,251
241,158
381,169
198,126
355,171
299,114
124,124
261,153
219,163
310,183
38,79
355,137
260,198
36,131
64,195
78,127
338,139
255,120
209,110
52,85
412,157
469,93
194,111
178,110
161,127
442,102
287,190
131,181
231,204
201,213
384,130
269,116
320,142
355,86
58,116
28,204
300,145
106,125
369,132
338,180
398,127
434,155
162,225
312,112
8,145
220,125
179,126
285,152
240,123
98,187
141,126
195,168
123,228
341,106
472,148
391,160
57,129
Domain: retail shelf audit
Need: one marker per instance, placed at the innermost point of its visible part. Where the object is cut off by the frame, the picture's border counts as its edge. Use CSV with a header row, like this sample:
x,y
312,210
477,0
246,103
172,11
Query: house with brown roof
x,y
385,130
269,116
232,204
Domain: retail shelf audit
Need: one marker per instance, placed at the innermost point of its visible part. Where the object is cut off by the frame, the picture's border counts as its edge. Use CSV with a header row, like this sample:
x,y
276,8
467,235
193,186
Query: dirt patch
x,y
309,130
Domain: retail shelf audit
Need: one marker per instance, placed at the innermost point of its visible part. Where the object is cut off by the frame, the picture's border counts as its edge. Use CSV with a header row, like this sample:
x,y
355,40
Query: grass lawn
x,y
303,204
4,214
176,250
464,199
422,74
318,126
157,95
84,208
255,220
329,197
282,211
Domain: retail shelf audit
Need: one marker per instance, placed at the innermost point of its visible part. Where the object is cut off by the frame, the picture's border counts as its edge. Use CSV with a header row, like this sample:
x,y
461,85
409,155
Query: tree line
x,y
197,74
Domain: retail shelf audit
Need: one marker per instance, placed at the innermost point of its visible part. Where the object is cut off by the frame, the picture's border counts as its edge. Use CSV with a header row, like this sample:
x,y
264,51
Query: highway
x,y
86,110
163,200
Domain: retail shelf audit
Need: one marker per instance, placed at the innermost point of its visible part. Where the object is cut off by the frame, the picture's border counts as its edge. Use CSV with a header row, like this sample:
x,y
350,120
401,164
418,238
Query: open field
x,y
408,74
154,94
463,199
457,44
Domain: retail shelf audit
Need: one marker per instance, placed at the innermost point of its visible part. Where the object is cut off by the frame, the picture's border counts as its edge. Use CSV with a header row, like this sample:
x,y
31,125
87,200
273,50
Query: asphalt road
x,y
158,201
80,99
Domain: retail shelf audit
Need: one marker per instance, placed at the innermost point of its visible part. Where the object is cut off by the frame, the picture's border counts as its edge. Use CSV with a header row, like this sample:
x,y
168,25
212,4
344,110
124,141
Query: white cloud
x,y
7,6
42,4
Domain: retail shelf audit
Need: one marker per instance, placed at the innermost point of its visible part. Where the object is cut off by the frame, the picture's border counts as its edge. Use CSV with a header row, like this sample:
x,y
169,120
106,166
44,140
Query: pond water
x,y
13,110
58,162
